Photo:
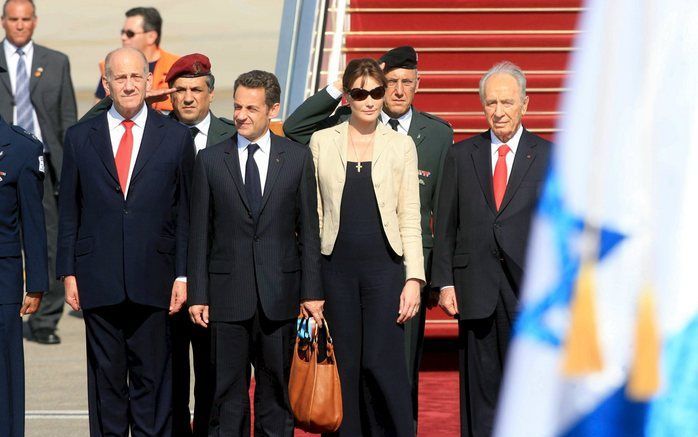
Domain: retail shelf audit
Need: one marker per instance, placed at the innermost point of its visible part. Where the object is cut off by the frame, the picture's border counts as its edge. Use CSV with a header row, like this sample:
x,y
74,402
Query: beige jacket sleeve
x,y
315,150
408,215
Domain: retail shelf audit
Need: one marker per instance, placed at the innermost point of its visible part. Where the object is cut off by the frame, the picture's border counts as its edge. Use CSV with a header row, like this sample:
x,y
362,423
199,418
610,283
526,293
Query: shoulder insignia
x,y
25,133
435,118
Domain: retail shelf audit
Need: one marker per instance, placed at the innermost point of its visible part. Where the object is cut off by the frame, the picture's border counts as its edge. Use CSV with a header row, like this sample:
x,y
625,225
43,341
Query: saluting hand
x,y
158,95
31,303
71,292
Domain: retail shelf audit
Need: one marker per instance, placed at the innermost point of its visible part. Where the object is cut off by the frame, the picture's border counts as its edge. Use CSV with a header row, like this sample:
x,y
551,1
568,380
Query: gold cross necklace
x,y
360,158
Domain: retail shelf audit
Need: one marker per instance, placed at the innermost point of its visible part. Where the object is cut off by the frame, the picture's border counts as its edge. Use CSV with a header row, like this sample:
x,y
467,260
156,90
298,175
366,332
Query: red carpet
x,y
438,391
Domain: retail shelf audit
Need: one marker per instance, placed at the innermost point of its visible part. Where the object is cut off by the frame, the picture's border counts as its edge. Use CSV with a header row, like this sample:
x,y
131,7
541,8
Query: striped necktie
x,y
25,109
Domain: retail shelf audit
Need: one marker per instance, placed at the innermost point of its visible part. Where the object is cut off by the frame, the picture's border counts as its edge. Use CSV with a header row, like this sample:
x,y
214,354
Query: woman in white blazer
x,y
373,268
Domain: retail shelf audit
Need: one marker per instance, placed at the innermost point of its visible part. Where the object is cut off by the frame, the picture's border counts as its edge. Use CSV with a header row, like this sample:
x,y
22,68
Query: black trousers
x,y
51,308
184,333
11,372
268,345
362,290
482,349
129,371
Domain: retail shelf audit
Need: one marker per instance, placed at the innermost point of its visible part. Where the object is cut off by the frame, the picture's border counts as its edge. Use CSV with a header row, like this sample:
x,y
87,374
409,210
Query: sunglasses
x,y
359,94
129,33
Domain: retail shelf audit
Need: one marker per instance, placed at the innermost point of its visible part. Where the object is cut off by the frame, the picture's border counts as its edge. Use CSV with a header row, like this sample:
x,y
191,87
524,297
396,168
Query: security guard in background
x,y
21,193
432,136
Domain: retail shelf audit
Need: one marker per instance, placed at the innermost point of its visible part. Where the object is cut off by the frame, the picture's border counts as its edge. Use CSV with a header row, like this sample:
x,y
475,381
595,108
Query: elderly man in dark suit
x,y
122,248
432,136
36,92
481,235
21,187
256,194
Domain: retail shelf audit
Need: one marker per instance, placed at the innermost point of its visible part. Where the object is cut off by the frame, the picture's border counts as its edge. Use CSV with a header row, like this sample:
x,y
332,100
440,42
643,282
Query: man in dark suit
x,y
122,248
37,94
432,136
254,258
481,235
21,189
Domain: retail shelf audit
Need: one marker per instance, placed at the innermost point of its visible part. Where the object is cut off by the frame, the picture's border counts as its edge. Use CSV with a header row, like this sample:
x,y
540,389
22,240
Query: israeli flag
x,y
606,343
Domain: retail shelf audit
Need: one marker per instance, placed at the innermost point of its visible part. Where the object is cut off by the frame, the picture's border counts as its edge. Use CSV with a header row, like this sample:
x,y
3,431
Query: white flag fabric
x,y
622,200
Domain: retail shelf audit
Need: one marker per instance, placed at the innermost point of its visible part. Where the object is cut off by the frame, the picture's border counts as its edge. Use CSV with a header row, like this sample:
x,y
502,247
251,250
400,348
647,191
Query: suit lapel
x,y
417,126
38,66
482,160
101,141
276,161
379,143
153,134
340,142
5,77
525,155
232,161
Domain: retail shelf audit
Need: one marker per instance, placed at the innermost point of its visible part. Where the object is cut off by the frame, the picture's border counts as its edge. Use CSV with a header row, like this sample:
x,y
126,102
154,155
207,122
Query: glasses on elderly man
x,y
129,33
360,94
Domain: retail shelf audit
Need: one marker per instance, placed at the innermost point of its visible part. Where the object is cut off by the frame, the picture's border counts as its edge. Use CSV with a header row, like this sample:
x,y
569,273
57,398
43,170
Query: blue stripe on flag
x,y
617,416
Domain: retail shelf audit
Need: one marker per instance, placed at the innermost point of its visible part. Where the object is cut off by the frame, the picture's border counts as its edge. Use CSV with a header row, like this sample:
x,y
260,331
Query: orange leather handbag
x,y
314,389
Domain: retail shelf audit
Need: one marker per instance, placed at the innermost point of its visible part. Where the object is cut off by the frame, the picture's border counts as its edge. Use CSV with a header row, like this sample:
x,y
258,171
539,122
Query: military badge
x,y
41,164
424,173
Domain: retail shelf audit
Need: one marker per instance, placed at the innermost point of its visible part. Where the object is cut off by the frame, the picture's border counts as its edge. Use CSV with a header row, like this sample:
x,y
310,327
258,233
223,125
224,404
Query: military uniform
x,y
21,193
432,136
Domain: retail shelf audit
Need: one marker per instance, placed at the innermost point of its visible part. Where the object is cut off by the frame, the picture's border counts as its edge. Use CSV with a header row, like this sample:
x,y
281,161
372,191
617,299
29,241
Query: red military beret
x,y
193,65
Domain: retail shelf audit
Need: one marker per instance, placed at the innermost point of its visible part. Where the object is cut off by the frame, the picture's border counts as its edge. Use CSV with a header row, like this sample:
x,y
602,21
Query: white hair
x,y
504,67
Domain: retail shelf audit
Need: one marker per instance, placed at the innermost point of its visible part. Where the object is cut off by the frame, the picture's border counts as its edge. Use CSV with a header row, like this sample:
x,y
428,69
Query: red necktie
x,y
499,180
123,155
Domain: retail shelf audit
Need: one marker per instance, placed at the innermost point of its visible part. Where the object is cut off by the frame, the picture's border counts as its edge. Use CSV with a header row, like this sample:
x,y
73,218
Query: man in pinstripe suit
x,y
254,258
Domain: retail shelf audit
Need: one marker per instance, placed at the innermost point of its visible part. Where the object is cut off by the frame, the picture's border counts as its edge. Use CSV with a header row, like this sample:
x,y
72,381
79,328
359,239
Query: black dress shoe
x,y
46,336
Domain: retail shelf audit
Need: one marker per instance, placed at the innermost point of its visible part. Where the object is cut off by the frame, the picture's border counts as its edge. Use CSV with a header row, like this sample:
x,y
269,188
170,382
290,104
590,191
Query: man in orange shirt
x,y
142,31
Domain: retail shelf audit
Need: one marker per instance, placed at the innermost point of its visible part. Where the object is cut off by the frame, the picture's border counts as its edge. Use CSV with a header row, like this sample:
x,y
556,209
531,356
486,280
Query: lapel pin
x,y
38,72
278,160
2,154
2,174
528,156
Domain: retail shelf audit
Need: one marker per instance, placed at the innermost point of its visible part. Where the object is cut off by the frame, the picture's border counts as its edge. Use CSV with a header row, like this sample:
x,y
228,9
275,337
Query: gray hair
x,y
504,67
107,61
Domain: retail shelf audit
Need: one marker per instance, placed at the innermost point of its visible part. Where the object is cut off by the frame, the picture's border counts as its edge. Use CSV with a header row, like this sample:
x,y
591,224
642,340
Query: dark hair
x,y
261,79
151,20
4,6
210,81
362,67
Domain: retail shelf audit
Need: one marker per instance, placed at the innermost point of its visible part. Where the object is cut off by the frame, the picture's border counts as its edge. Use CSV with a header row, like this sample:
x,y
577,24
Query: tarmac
x,y
56,383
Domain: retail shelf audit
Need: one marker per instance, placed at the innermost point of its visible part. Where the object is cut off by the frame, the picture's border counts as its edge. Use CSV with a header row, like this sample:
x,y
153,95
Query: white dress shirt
x,y
117,130
202,137
513,144
403,122
261,156
12,58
